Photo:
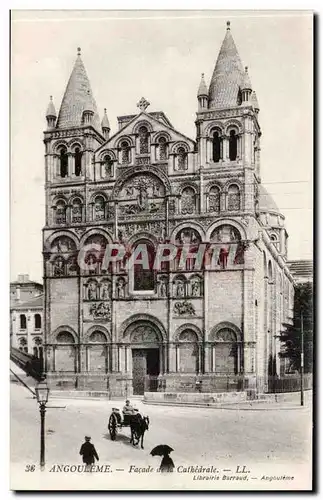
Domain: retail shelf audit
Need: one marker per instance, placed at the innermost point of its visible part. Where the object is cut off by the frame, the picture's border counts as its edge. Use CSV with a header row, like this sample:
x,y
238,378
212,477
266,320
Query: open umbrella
x,y
161,450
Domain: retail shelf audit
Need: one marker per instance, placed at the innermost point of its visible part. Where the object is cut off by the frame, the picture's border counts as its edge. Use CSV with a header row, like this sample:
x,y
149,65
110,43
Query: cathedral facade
x,y
182,325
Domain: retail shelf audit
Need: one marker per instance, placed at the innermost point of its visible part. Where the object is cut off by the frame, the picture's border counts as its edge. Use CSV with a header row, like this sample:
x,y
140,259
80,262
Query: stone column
x,y
172,358
206,358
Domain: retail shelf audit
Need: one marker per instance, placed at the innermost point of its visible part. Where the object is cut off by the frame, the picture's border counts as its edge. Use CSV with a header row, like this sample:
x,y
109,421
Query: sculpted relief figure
x,y
162,289
105,291
195,288
92,290
120,289
180,289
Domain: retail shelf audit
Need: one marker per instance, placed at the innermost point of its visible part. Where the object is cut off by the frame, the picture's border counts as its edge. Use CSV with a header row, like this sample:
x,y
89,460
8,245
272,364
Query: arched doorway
x,y
65,358
145,342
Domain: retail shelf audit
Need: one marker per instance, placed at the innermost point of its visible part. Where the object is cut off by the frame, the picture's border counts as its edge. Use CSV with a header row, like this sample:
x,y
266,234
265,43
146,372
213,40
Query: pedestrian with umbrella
x,y
163,450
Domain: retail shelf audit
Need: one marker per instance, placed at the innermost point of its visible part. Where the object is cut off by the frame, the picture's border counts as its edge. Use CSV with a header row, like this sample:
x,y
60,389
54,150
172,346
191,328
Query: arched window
x,y
60,215
125,153
63,162
162,148
37,321
233,197
77,162
143,140
214,199
182,158
217,147
99,208
23,322
144,275
188,201
233,145
188,356
76,210
107,166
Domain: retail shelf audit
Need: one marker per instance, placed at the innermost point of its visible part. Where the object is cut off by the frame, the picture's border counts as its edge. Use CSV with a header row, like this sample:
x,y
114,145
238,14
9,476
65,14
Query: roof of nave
x,y
36,303
78,97
301,267
266,201
228,75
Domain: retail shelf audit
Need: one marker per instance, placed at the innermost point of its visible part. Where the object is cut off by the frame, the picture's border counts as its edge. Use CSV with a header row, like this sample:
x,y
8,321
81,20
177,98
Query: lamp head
x,y
42,391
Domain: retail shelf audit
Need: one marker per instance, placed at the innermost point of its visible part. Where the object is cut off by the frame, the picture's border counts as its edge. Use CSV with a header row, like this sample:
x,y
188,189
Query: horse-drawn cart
x,y
138,425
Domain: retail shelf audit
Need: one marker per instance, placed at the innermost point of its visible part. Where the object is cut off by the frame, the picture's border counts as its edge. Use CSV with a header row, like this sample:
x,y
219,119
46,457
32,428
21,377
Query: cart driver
x,y
127,411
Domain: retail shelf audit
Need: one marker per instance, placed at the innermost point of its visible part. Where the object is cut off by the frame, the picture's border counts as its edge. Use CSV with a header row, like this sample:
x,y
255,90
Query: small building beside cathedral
x,y
183,324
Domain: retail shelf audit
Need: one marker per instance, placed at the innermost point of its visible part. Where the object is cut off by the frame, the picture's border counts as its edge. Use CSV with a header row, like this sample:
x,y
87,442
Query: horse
x,y
138,426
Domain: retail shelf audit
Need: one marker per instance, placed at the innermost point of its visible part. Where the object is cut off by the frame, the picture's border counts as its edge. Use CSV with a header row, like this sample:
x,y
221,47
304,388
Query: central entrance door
x,y
144,362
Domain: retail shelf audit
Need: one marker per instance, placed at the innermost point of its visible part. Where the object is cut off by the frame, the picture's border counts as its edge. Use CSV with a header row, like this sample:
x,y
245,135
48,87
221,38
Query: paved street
x,y
223,438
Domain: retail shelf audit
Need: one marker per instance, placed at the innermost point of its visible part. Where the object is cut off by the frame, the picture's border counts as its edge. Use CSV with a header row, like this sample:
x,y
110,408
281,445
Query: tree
x,y
291,337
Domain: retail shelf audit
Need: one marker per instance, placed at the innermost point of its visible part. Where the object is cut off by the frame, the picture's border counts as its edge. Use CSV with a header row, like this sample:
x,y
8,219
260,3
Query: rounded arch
x,y
232,182
142,123
59,198
160,134
96,232
211,185
214,126
76,198
75,143
65,337
143,236
215,336
125,138
190,327
107,152
178,145
224,222
233,125
59,234
96,194
187,226
186,186
58,145
98,337
179,277
152,171
141,318
65,328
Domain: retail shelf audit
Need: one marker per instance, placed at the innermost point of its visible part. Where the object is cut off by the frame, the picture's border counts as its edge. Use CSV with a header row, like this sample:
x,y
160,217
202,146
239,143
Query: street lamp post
x,y
42,392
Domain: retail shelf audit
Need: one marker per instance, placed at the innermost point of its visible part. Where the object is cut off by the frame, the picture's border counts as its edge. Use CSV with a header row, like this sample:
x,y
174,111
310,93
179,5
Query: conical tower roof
x,y
105,122
76,99
227,75
51,111
202,91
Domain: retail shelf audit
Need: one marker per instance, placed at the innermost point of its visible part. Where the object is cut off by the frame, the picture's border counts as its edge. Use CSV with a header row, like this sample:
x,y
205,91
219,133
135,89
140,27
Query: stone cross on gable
x,y
143,104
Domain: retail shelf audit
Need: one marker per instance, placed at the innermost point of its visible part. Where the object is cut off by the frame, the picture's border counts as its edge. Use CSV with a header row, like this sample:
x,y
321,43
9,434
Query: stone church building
x,y
177,328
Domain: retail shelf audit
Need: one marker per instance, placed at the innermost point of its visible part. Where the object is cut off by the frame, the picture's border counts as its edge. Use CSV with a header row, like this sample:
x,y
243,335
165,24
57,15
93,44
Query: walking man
x,y
88,453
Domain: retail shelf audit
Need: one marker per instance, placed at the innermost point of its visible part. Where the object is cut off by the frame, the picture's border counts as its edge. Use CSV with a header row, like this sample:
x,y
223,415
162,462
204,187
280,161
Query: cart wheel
x,y
112,427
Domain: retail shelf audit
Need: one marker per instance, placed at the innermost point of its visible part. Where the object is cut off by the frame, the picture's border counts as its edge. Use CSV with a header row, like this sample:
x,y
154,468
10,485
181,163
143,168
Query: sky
x,y
160,55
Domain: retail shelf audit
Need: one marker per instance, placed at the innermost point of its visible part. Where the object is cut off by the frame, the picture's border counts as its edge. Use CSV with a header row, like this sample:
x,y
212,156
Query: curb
x,y
234,406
